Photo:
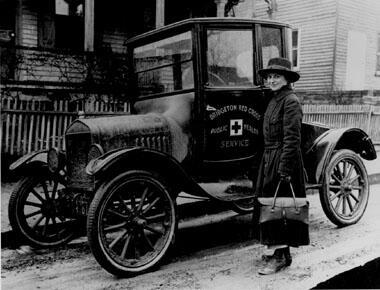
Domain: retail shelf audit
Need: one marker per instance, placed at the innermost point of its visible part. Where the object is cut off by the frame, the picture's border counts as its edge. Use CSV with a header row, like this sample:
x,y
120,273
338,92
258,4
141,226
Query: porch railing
x,y
27,126
32,66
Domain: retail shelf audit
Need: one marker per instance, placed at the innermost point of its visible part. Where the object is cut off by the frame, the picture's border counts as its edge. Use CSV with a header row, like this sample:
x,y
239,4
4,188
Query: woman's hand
x,y
285,178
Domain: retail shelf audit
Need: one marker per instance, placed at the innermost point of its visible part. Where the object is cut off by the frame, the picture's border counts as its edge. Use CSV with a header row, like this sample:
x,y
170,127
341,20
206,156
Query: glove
x,y
285,178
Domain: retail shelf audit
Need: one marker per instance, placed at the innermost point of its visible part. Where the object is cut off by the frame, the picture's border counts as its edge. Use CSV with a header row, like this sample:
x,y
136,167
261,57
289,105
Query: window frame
x,y
377,67
48,20
250,29
283,52
172,64
297,49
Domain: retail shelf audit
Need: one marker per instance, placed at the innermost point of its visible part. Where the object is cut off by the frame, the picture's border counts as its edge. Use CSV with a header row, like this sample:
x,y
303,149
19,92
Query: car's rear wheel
x,y
345,189
35,211
131,223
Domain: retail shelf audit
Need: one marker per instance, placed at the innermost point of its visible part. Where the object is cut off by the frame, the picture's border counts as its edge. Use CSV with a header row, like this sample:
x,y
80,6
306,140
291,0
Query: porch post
x,y
220,7
160,13
89,25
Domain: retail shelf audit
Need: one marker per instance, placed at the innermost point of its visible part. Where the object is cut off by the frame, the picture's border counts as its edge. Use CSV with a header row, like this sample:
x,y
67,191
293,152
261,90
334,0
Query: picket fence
x,y
28,126
365,117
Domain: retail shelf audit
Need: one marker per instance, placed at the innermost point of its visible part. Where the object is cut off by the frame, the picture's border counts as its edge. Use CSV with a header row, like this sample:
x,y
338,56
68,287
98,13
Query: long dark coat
x,y
282,155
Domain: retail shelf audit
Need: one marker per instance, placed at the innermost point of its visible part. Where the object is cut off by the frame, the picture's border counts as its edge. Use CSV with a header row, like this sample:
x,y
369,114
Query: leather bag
x,y
284,208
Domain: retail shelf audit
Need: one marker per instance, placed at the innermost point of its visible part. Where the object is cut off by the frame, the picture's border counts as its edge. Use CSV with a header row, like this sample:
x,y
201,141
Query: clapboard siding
x,y
316,21
30,30
116,40
362,17
29,25
71,68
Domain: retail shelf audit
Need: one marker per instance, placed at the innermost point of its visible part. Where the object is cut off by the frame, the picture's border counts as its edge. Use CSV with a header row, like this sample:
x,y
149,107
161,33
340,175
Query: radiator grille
x,y
77,150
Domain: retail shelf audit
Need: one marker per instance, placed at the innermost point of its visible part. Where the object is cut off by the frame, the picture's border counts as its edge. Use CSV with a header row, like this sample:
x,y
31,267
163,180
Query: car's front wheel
x,y
345,189
131,222
35,210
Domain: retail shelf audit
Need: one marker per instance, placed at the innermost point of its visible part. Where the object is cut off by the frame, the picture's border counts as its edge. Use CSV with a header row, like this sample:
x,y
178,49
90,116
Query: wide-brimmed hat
x,y
281,66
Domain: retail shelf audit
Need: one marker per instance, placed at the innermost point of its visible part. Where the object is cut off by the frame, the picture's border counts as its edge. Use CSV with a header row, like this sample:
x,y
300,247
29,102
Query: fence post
x,y
370,112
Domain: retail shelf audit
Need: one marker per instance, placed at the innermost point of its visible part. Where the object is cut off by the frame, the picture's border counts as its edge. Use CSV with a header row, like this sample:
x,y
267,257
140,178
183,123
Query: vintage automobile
x,y
195,128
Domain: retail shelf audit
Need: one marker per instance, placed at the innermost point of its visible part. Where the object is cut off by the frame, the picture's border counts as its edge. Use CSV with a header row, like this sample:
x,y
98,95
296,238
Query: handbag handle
x,y
293,195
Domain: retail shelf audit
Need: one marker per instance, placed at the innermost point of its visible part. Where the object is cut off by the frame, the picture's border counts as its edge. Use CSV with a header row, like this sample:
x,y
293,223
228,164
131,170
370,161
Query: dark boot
x,y
274,263
287,256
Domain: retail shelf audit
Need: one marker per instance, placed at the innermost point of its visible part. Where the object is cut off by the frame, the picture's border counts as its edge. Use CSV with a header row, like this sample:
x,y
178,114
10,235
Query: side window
x,y
230,64
296,49
164,66
271,43
378,56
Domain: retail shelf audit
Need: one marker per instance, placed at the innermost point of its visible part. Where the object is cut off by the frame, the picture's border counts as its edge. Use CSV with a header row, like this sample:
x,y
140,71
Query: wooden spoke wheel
x,y
35,211
345,190
131,223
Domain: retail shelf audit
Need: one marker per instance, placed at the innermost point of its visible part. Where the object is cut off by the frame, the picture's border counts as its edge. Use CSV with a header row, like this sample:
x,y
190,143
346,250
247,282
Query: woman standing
x,y
281,161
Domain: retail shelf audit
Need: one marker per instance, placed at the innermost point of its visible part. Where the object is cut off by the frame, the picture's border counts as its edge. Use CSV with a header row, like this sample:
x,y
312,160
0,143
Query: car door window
x,y
230,58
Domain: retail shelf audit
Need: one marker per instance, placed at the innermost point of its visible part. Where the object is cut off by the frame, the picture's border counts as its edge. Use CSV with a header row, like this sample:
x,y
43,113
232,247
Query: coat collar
x,y
283,92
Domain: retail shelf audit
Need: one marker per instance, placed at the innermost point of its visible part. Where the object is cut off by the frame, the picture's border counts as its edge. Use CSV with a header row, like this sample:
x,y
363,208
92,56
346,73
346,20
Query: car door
x,y
233,104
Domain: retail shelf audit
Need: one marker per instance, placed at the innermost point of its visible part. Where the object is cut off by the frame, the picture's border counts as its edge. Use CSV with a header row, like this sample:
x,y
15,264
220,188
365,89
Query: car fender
x,y
120,160
318,156
29,162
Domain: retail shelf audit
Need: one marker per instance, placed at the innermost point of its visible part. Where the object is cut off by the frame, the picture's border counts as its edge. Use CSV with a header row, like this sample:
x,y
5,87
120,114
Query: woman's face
x,y
276,81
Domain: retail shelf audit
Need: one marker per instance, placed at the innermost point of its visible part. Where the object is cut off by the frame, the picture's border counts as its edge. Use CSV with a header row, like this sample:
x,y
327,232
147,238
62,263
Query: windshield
x,y
165,65
230,57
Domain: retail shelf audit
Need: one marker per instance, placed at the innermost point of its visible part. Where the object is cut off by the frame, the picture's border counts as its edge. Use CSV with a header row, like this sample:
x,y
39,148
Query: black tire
x,y
345,189
34,211
131,223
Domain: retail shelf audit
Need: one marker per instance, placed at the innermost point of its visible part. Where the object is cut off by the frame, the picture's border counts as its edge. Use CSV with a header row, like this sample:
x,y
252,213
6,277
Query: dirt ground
x,y
211,252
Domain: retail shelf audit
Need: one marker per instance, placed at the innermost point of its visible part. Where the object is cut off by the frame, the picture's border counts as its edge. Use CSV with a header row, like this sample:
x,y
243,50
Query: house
x,y
336,43
59,49
68,48
64,48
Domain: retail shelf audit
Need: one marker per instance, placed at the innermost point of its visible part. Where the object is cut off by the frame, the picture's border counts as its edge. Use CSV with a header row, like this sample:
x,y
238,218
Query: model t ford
x,y
195,128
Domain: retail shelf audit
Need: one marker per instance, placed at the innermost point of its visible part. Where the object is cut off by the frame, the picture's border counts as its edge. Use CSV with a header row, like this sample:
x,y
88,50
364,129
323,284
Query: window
x,y
69,27
378,56
61,24
7,21
164,66
230,64
271,44
296,49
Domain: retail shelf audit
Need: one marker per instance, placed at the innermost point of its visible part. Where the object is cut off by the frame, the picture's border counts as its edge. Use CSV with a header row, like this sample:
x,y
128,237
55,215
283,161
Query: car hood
x,y
150,130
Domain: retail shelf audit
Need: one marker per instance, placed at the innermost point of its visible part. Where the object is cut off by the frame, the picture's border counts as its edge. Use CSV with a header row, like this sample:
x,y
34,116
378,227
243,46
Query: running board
x,y
229,191
313,186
